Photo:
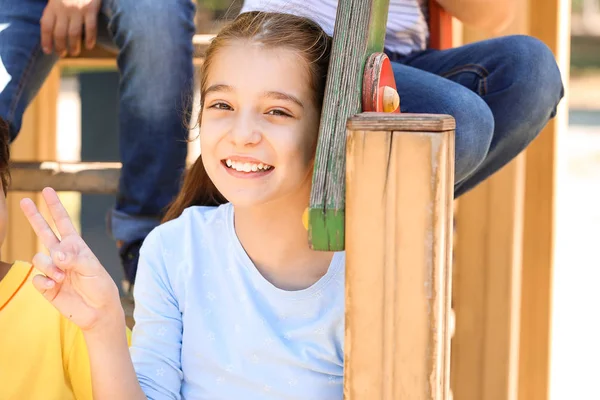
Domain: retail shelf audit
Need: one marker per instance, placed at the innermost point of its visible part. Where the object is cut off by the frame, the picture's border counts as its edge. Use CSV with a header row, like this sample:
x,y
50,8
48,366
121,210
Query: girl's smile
x,y
246,167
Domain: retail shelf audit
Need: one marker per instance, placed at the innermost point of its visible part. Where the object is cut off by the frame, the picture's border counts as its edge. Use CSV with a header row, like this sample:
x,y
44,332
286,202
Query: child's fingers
x,y
59,214
44,264
46,286
38,223
71,258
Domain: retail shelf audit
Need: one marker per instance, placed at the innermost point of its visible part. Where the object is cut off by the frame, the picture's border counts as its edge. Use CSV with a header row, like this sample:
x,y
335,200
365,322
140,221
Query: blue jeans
x,y
154,39
501,92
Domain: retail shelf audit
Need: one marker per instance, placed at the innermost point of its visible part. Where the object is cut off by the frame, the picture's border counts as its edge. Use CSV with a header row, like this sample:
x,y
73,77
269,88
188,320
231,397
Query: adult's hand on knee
x,y
62,25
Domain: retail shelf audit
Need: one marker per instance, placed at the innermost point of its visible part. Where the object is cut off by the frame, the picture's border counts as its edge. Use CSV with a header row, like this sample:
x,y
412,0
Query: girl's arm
x,y
113,375
156,341
79,287
77,360
158,331
489,15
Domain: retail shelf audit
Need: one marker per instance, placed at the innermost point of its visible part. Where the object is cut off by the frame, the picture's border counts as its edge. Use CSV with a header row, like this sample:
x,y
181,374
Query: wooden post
x,y
487,288
37,140
359,32
400,184
82,177
487,275
503,272
550,22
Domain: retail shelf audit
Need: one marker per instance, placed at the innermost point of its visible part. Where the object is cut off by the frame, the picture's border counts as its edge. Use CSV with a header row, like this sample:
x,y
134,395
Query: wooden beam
x,y
106,57
550,22
486,288
487,274
83,177
104,63
199,41
399,192
359,32
37,140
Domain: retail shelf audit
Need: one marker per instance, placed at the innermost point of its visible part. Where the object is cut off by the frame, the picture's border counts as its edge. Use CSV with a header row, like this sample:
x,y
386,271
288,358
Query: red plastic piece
x,y
378,74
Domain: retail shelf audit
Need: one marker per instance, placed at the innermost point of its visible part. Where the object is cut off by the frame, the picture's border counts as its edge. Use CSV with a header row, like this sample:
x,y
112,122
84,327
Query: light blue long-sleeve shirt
x,y
210,326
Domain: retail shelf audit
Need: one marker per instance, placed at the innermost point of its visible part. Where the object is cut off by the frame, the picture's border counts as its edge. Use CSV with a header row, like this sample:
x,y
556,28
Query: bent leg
x,y
23,65
519,80
423,92
156,88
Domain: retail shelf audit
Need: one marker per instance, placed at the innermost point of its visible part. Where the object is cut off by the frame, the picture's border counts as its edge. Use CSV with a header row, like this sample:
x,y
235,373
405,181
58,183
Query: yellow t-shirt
x,y
42,354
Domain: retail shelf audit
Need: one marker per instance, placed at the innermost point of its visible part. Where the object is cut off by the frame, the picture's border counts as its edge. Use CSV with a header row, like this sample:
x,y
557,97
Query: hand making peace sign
x,y
75,282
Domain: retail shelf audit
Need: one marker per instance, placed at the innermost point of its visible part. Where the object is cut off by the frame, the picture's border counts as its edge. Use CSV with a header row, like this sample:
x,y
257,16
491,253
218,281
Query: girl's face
x,y
259,124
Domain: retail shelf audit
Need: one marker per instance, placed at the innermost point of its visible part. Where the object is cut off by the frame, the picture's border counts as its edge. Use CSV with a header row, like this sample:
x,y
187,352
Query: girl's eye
x,y
279,113
221,106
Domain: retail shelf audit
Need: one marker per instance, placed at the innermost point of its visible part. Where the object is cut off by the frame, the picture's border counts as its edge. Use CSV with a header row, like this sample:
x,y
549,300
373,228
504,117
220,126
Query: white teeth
x,y
247,166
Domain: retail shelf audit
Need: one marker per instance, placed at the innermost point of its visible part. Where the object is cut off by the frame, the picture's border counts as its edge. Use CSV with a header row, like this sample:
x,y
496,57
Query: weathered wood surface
x,y
37,140
84,177
400,186
487,290
402,122
359,31
550,22
105,56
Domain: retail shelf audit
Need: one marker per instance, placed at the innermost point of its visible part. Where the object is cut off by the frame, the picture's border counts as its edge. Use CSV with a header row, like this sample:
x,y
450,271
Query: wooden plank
x,y
550,22
199,41
487,274
104,63
449,260
407,122
106,57
83,177
399,191
37,140
486,288
359,31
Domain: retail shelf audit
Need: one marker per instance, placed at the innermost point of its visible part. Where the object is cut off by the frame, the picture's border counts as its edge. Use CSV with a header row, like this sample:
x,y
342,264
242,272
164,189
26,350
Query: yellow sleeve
x,y
77,367
128,332
77,362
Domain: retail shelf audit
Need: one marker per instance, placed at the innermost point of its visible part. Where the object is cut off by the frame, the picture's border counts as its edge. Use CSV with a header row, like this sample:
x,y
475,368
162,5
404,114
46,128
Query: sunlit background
x,y
576,318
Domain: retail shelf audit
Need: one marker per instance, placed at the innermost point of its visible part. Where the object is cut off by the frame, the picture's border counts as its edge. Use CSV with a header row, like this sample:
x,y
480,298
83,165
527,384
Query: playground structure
x,y
501,279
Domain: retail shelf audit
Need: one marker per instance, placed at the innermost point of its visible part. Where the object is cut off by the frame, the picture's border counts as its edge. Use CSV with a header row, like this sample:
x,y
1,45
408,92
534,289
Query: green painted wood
x,y
359,31
377,26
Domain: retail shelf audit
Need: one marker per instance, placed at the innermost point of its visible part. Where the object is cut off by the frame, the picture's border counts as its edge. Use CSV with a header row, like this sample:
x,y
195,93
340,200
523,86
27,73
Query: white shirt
x,y
210,326
407,28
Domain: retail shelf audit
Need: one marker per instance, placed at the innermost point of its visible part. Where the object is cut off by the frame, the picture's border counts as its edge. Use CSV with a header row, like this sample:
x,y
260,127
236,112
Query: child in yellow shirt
x,y
43,355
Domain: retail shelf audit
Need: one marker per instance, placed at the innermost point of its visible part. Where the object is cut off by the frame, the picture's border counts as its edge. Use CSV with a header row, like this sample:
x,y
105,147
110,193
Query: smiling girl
x,y
231,303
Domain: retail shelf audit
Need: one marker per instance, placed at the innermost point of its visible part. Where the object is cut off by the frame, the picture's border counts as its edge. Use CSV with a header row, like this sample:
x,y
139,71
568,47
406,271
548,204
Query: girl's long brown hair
x,y
272,30
4,155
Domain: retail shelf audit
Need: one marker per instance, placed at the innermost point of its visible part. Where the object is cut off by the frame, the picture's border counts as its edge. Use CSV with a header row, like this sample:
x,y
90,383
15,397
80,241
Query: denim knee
x,y
531,62
533,83
474,132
